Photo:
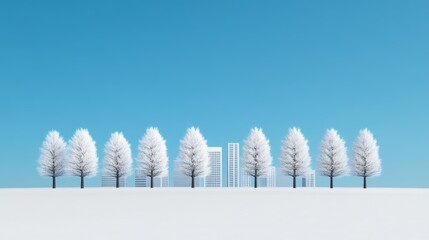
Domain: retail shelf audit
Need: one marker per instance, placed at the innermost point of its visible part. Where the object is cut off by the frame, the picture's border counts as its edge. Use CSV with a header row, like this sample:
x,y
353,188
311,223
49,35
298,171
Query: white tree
x,y
193,155
365,159
332,156
295,158
256,154
83,161
152,158
117,157
52,157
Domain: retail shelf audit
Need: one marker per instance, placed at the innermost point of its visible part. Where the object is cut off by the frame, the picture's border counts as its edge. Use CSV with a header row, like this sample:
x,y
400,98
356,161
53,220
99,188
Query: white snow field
x,y
181,213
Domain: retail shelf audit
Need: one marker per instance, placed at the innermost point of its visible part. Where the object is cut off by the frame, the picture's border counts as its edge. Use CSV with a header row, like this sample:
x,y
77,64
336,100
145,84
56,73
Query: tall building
x,y
109,181
214,179
271,177
180,179
233,165
142,180
245,179
309,180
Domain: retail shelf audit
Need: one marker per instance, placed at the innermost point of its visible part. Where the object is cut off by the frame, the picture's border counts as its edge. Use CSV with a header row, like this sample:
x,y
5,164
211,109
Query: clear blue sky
x,y
224,66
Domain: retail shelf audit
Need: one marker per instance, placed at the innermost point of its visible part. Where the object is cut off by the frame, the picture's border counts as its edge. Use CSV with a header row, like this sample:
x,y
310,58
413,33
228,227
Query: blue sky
x,y
223,66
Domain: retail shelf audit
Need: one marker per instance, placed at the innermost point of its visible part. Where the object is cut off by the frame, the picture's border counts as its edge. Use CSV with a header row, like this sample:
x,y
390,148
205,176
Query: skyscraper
x,y
309,180
214,179
233,165
271,177
245,178
180,179
140,179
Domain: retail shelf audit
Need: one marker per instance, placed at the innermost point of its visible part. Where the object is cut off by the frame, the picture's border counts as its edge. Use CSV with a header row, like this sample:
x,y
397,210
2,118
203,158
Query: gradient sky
x,y
223,66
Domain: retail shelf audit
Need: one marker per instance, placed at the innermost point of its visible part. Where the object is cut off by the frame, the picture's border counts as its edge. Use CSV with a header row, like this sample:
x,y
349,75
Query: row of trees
x,y
79,158
295,157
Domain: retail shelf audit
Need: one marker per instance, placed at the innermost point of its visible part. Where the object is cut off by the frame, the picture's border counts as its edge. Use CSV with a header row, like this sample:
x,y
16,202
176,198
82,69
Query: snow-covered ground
x,y
179,213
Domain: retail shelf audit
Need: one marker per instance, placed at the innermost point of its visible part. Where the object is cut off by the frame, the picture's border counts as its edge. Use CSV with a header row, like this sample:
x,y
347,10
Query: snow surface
x,y
182,213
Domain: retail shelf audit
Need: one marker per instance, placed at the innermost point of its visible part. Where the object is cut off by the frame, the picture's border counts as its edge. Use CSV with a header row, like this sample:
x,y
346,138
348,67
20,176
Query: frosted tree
x,y
117,157
193,155
82,157
295,158
52,157
152,158
332,156
365,160
256,154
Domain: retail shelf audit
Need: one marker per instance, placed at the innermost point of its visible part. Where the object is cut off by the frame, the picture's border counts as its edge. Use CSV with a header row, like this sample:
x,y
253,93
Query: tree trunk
x,y
54,182
332,181
117,181
294,178
364,182
151,181
294,181
81,182
256,182
193,181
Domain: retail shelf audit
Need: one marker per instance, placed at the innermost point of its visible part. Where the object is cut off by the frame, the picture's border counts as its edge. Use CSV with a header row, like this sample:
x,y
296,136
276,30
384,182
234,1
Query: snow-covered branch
x,y
152,157
295,158
52,157
256,154
117,157
193,154
82,156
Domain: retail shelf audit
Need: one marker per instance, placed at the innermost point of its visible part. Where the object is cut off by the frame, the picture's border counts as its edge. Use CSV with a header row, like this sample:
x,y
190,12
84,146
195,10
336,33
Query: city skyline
x,y
219,66
275,177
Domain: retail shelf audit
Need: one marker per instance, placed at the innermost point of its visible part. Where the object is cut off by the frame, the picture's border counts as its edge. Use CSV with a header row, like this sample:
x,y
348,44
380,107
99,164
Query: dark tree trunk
x,y
193,181
256,182
332,182
81,182
364,182
151,181
117,181
294,181
54,182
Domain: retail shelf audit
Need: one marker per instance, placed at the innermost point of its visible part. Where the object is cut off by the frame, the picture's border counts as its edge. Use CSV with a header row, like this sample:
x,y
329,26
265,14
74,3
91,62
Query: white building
x,y
180,179
233,165
245,179
309,180
271,177
109,181
142,180
214,179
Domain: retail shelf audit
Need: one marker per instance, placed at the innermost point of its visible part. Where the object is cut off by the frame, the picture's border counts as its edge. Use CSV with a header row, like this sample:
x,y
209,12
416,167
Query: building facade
x,y
109,181
214,179
233,165
245,179
309,180
141,180
271,177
